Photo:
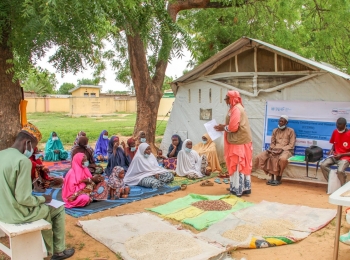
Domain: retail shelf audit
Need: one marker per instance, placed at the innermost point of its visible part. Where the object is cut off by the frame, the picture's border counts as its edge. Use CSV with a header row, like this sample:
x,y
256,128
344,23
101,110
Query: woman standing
x,y
238,148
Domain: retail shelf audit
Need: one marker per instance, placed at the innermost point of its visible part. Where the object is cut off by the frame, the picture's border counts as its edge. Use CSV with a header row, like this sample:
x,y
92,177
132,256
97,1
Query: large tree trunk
x,y
148,90
10,97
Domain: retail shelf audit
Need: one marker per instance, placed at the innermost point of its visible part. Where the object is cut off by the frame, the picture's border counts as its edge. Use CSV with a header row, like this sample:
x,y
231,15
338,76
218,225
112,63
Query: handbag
x,y
313,154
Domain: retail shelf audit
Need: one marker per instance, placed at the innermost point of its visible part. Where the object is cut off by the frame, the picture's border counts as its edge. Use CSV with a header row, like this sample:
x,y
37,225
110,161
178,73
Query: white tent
x,y
260,72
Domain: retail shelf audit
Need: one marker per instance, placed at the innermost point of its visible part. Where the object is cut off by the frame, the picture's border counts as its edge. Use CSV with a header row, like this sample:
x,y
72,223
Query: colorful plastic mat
x,y
247,225
136,193
182,210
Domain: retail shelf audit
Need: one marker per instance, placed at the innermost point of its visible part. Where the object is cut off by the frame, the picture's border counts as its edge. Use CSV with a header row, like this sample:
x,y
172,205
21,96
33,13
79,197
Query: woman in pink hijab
x,y
78,183
238,148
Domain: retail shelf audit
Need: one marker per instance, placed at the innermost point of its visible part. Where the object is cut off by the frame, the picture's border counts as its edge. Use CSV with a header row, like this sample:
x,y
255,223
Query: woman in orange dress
x,y
238,147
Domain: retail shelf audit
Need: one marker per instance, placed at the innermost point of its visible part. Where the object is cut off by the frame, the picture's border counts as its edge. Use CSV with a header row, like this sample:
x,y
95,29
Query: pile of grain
x,y
212,205
268,228
162,246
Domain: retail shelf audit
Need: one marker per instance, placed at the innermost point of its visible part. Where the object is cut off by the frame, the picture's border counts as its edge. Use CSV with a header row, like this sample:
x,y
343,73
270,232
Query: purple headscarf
x,y
101,145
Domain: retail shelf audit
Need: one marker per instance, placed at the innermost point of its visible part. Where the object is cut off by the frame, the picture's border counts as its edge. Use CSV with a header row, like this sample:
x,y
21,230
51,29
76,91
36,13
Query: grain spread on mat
x,y
162,246
267,228
212,205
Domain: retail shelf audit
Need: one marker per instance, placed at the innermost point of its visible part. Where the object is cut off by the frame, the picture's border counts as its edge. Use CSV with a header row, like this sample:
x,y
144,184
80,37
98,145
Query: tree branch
x,y
175,7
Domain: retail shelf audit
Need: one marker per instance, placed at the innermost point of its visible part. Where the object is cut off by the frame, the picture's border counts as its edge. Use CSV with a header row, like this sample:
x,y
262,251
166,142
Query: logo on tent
x,y
336,111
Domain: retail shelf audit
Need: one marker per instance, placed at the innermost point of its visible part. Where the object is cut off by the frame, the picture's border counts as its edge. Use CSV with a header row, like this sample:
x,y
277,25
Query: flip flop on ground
x,y
275,183
217,180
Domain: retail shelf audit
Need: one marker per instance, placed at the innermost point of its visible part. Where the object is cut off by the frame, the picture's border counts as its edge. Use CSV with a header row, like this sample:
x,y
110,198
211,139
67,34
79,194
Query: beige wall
x,y
42,105
165,105
80,92
77,106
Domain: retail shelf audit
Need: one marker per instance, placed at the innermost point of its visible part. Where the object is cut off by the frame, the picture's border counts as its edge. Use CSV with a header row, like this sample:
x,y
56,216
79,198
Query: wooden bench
x,y
26,242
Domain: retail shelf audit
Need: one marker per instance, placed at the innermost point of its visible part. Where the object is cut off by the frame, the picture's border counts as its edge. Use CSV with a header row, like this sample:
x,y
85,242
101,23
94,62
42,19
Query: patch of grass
x,y
81,246
97,254
119,256
67,127
69,235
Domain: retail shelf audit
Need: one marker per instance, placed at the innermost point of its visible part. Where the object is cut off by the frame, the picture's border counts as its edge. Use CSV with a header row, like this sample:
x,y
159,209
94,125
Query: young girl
x,y
160,158
117,187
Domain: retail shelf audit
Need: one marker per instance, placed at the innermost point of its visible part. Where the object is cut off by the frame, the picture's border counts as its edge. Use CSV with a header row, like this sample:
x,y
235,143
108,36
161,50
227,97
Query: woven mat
x,y
183,180
305,219
113,232
182,210
137,193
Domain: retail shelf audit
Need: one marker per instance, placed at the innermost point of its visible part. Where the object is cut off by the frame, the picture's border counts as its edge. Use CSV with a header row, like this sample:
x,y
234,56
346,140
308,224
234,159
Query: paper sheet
x,y
211,131
55,203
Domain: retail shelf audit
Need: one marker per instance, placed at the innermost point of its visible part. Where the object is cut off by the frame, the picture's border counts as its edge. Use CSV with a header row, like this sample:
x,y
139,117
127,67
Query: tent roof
x,y
245,41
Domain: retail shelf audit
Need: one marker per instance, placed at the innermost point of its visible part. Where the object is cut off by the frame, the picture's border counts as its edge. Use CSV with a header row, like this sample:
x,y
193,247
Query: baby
x,y
117,187
160,158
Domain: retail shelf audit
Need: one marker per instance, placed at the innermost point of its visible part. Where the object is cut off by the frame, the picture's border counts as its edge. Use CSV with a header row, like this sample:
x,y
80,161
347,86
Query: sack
x,y
333,182
170,163
313,154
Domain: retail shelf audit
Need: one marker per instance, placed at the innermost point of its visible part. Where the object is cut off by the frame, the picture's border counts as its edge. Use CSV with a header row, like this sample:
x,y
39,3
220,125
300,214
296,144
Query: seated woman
x,y
101,147
208,148
116,185
82,147
54,150
131,149
173,151
189,163
81,133
40,175
140,138
145,171
79,183
116,156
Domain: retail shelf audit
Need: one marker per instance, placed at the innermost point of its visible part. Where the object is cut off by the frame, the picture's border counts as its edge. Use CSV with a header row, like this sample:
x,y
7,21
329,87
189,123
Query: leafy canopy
x,y
65,87
41,82
313,28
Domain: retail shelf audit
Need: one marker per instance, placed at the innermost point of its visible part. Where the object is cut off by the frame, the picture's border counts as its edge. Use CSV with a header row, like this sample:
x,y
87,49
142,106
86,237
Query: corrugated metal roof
x,y
198,71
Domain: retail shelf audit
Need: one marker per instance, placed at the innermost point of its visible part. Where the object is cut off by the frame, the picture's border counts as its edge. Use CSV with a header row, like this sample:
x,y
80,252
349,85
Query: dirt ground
x,y
318,245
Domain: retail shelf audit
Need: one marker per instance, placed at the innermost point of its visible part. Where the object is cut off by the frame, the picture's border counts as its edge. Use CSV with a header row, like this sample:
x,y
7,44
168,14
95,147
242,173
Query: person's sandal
x,y
183,186
269,182
275,183
226,181
67,253
217,180
207,183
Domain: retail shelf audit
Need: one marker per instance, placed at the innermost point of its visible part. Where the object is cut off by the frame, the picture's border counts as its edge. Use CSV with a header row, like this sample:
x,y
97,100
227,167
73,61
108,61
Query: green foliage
x,y
84,81
42,82
67,127
167,81
315,29
65,87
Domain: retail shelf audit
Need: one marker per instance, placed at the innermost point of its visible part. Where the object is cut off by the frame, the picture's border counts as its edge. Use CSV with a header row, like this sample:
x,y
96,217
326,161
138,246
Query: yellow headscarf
x,y
209,149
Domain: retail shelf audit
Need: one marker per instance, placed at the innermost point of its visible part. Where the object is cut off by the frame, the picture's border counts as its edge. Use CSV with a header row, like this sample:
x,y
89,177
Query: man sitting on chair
x,y
18,205
274,160
340,151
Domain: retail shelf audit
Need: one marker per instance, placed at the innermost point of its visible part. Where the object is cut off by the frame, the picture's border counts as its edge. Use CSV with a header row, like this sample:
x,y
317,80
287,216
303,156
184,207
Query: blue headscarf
x,y
101,145
178,148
